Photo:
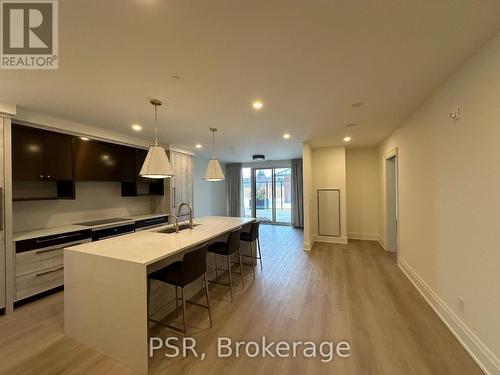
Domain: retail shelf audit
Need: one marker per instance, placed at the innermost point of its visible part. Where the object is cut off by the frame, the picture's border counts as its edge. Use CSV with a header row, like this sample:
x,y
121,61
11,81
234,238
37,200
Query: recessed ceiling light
x,y
347,139
137,127
199,145
84,139
286,136
257,104
175,76
357,104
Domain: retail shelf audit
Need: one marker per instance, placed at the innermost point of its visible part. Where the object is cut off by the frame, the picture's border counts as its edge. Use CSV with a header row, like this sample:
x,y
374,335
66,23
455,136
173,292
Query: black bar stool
x,y
180,274
227,249
251,237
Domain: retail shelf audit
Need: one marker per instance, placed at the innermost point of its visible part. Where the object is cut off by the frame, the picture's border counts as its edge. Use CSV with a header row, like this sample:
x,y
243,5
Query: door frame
x,y
392,155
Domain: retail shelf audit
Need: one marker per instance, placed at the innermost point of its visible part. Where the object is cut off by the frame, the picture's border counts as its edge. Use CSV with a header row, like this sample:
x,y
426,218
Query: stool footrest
x,y
168,326
217,282
194,303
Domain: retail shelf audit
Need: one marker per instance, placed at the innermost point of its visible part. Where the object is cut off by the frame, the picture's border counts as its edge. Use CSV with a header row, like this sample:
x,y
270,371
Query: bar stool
x,y
227,249
251,237
182,273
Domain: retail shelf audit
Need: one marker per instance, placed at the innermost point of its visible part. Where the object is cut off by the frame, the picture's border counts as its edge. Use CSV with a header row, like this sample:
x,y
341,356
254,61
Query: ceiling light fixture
x,y
137,127
156,164
199,146
286,136
348,137
257,104
213,171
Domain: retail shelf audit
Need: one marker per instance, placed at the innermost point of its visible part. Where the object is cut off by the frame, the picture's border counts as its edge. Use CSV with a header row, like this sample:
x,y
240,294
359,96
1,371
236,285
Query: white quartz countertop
x,y
149,246
42,232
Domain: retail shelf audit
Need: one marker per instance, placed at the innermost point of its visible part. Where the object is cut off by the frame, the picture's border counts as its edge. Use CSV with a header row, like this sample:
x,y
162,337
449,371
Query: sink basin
x,y
182,227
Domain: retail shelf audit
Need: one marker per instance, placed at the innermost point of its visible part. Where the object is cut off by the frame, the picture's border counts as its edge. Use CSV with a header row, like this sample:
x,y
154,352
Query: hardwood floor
x,y
349,292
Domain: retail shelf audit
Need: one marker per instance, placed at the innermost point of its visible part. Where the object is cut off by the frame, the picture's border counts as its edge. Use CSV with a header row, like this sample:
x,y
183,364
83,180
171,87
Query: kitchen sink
x,y
182,227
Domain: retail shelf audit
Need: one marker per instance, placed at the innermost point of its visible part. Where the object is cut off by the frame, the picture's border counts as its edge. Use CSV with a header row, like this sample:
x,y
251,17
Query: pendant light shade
x,y
213,171
156,164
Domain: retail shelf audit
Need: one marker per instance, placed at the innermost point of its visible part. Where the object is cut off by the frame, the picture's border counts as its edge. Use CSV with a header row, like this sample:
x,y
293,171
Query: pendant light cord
x,y
213,144
156,125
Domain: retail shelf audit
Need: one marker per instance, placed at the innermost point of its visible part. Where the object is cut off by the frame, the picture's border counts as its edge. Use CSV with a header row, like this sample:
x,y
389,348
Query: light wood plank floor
x,y
349,292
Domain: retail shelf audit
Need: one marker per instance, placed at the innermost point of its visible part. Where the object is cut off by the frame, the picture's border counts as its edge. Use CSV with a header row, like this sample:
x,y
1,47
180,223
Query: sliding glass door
x,y
283,195
267,194
264,197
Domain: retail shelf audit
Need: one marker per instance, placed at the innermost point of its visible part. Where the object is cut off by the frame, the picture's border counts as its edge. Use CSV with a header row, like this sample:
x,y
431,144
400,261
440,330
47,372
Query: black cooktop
x,y
103,221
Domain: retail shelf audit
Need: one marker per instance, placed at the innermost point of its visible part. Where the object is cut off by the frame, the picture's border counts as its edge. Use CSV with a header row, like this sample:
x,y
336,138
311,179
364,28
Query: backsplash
x,y
94,200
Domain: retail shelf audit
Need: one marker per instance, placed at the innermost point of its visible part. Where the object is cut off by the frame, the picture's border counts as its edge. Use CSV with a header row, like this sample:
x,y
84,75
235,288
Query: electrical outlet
x,y
461,303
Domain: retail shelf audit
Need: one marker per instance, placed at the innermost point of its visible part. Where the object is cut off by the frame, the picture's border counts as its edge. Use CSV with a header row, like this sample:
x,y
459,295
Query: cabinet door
x,y
127,164
97,161
27,154
58,156
174,188
140,156
183,180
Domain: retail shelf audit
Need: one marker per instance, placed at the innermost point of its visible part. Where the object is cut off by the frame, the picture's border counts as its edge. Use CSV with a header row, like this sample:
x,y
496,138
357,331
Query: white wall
x,y
209,197
362,184
449,206
328,171
94,200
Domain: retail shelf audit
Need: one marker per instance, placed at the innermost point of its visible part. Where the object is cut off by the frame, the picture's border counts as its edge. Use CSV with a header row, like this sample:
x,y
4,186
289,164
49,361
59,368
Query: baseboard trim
x,y
339,240
381,242
481,354
363,236
307,246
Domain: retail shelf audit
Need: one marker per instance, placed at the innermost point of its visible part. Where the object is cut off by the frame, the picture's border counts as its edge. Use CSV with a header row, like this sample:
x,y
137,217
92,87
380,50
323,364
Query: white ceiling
x,y
308,61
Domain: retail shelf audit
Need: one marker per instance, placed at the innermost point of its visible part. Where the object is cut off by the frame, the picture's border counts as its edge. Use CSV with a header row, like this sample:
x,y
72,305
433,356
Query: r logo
x,y
27,28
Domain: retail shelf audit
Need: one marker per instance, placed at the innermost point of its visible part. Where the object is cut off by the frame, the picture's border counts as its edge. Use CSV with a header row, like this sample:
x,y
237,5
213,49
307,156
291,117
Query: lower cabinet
x,y
40,263
38,282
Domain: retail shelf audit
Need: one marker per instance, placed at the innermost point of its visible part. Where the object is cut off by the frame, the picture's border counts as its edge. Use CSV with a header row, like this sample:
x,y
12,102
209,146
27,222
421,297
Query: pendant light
x,y
214,171
156,164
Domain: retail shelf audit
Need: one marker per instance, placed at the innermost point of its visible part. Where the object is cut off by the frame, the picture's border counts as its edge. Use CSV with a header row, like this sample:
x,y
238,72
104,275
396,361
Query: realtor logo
x,y
29,37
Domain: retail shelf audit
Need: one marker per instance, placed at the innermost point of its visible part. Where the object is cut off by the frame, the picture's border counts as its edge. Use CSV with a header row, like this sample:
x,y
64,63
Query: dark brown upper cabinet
x,y
136,185
41,155
102,161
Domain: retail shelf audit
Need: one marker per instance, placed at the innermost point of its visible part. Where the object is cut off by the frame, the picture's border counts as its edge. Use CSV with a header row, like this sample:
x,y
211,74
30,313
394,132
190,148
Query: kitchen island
x,y
105,294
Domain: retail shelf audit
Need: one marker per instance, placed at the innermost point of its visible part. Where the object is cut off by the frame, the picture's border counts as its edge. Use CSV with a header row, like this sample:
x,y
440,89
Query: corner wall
x,y
449,203
327,170
307,182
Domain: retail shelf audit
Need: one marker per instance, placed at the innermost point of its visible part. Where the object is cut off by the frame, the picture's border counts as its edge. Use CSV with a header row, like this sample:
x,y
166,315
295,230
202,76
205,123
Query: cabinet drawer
x,y
63,239
36,260
37,282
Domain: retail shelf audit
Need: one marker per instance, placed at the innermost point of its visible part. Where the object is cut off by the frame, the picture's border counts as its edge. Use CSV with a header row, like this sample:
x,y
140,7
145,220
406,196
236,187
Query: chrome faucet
x,y
190,214
176,224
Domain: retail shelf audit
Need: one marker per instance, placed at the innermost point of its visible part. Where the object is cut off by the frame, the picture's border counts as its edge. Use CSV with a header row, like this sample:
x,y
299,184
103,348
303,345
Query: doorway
x,y
267,194
391,182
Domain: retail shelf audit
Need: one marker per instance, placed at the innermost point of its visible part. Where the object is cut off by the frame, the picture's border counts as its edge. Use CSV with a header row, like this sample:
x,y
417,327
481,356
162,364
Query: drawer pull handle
x,y
41,251
154,221
50,271
59,238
